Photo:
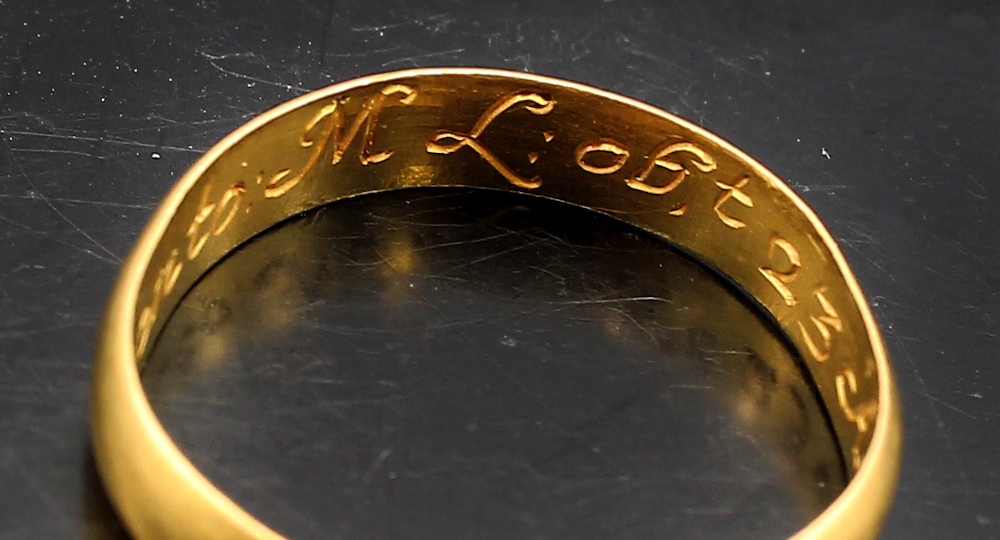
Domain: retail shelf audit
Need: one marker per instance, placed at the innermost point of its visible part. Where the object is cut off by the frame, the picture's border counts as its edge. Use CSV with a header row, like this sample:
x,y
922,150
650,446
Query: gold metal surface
x,y
496,130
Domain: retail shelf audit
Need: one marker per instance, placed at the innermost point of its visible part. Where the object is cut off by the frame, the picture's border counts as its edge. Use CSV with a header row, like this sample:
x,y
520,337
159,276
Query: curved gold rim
x,y
501,130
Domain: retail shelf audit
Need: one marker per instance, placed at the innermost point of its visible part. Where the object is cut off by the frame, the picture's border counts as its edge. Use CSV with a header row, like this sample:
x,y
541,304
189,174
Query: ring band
x,y
496,130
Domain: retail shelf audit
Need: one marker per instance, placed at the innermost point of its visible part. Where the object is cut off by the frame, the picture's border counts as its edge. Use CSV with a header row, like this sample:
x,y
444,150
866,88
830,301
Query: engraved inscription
x,y
221,213
608,156
448,142
780,280
619,155
331,122
324,131
166,278
826,323
859,414
732,191
665,156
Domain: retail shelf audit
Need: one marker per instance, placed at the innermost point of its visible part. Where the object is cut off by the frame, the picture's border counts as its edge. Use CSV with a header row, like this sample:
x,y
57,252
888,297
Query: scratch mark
x,y
561,279
636,323
54,151
413,59
212,59
18,224
615,300
17,165
113,260
935,412
363,54
434,23
497,254
947,405
111,140
32,482
83,201
464,242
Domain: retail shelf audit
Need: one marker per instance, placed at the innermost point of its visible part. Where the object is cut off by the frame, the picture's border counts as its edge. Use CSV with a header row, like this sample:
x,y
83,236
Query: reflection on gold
x,y
746,363
400,260
217,315
412,176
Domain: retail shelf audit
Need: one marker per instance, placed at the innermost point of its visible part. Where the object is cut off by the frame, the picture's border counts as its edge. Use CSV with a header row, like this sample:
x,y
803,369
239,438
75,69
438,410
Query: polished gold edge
x,y
119,399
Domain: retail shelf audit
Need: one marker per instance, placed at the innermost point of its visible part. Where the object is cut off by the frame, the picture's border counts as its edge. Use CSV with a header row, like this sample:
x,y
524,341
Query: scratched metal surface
x,y
884,119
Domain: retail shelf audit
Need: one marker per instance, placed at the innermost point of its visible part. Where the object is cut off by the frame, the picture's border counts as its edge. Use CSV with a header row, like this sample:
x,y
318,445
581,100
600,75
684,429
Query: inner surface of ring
x,y
442,363
547,138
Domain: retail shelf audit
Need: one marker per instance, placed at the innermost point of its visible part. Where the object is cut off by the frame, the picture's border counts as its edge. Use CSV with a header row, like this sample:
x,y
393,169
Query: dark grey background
x,y
883,118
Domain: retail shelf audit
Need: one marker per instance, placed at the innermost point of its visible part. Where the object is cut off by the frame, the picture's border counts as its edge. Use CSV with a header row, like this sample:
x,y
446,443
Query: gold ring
x,y
497,130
